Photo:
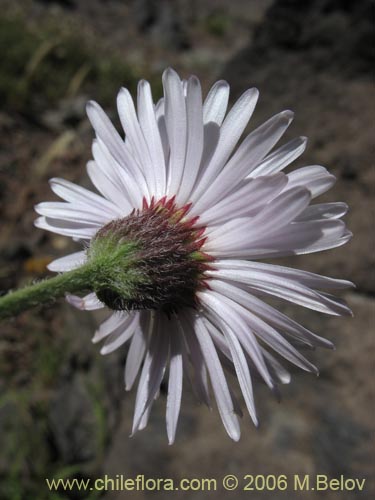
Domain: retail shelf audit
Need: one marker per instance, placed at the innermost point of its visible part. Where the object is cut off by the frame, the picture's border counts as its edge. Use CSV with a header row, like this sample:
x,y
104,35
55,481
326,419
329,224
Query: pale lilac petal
x,y
211,133
229,295
134,135
242,369
218,380
268,334
68,263
306,237
306,278
108,184
121,334
110,325
297,238
153,370
246,201
260,280
174,383
127,192
230,132
280,158
256,145
236,404
160,108
220,306
195,139
88,303
116,146
134,358
72,212
137,348
186,364
69,191
271,315
277,370
176,124
323,211
160,118
197,361
283,209
315,178
149,125
216,103
76,230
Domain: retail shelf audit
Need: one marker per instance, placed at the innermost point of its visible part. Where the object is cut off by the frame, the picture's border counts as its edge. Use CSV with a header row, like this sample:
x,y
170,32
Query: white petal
x,y
160,109
271,284
88,303
244,232
116,146
281,157
297,238
211,133
250,152
230,132
242,369
152,372
67,263
195,139
306,278
305,237
128,190
72,212
134,358
218,380
323,211
268,334
272,316
69,191
165,143
197,360
229,312
174,384
315,178
245,201
108,184
216,103
110,325
134,135
73,229
283,209
121,335
176,124
282,375
149,125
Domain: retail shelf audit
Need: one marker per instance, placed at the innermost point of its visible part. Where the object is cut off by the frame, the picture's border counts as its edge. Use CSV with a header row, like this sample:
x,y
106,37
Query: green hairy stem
x,y
108,267
46,291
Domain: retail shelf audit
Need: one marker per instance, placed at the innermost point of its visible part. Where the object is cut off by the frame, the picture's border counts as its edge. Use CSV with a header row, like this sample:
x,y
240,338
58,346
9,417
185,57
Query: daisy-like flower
x,y
183,218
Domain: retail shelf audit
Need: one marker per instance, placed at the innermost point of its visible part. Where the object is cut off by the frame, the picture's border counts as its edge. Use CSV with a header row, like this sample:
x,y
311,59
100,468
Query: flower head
x,y
185,218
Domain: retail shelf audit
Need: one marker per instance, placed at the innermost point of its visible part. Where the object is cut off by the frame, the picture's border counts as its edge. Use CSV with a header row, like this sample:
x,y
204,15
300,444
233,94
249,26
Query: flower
x,y
200,214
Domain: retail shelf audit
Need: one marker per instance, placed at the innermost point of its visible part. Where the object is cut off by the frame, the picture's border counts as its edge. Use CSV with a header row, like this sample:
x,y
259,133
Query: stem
x,y
108,270
46,291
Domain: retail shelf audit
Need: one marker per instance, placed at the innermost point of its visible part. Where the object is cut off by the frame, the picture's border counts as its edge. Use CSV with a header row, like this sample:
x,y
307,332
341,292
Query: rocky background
x,y
63,410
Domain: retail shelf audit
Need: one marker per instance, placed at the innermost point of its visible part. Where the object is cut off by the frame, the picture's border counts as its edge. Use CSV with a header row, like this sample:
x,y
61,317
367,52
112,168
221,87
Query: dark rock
x,y
72,421
315,26
64,3
167,20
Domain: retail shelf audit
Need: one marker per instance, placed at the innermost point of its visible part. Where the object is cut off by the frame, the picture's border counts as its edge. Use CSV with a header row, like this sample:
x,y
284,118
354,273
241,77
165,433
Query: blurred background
x,y
63,409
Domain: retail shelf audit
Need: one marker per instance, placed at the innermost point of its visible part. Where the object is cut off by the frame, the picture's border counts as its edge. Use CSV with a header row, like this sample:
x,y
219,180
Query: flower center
x,y
163,265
